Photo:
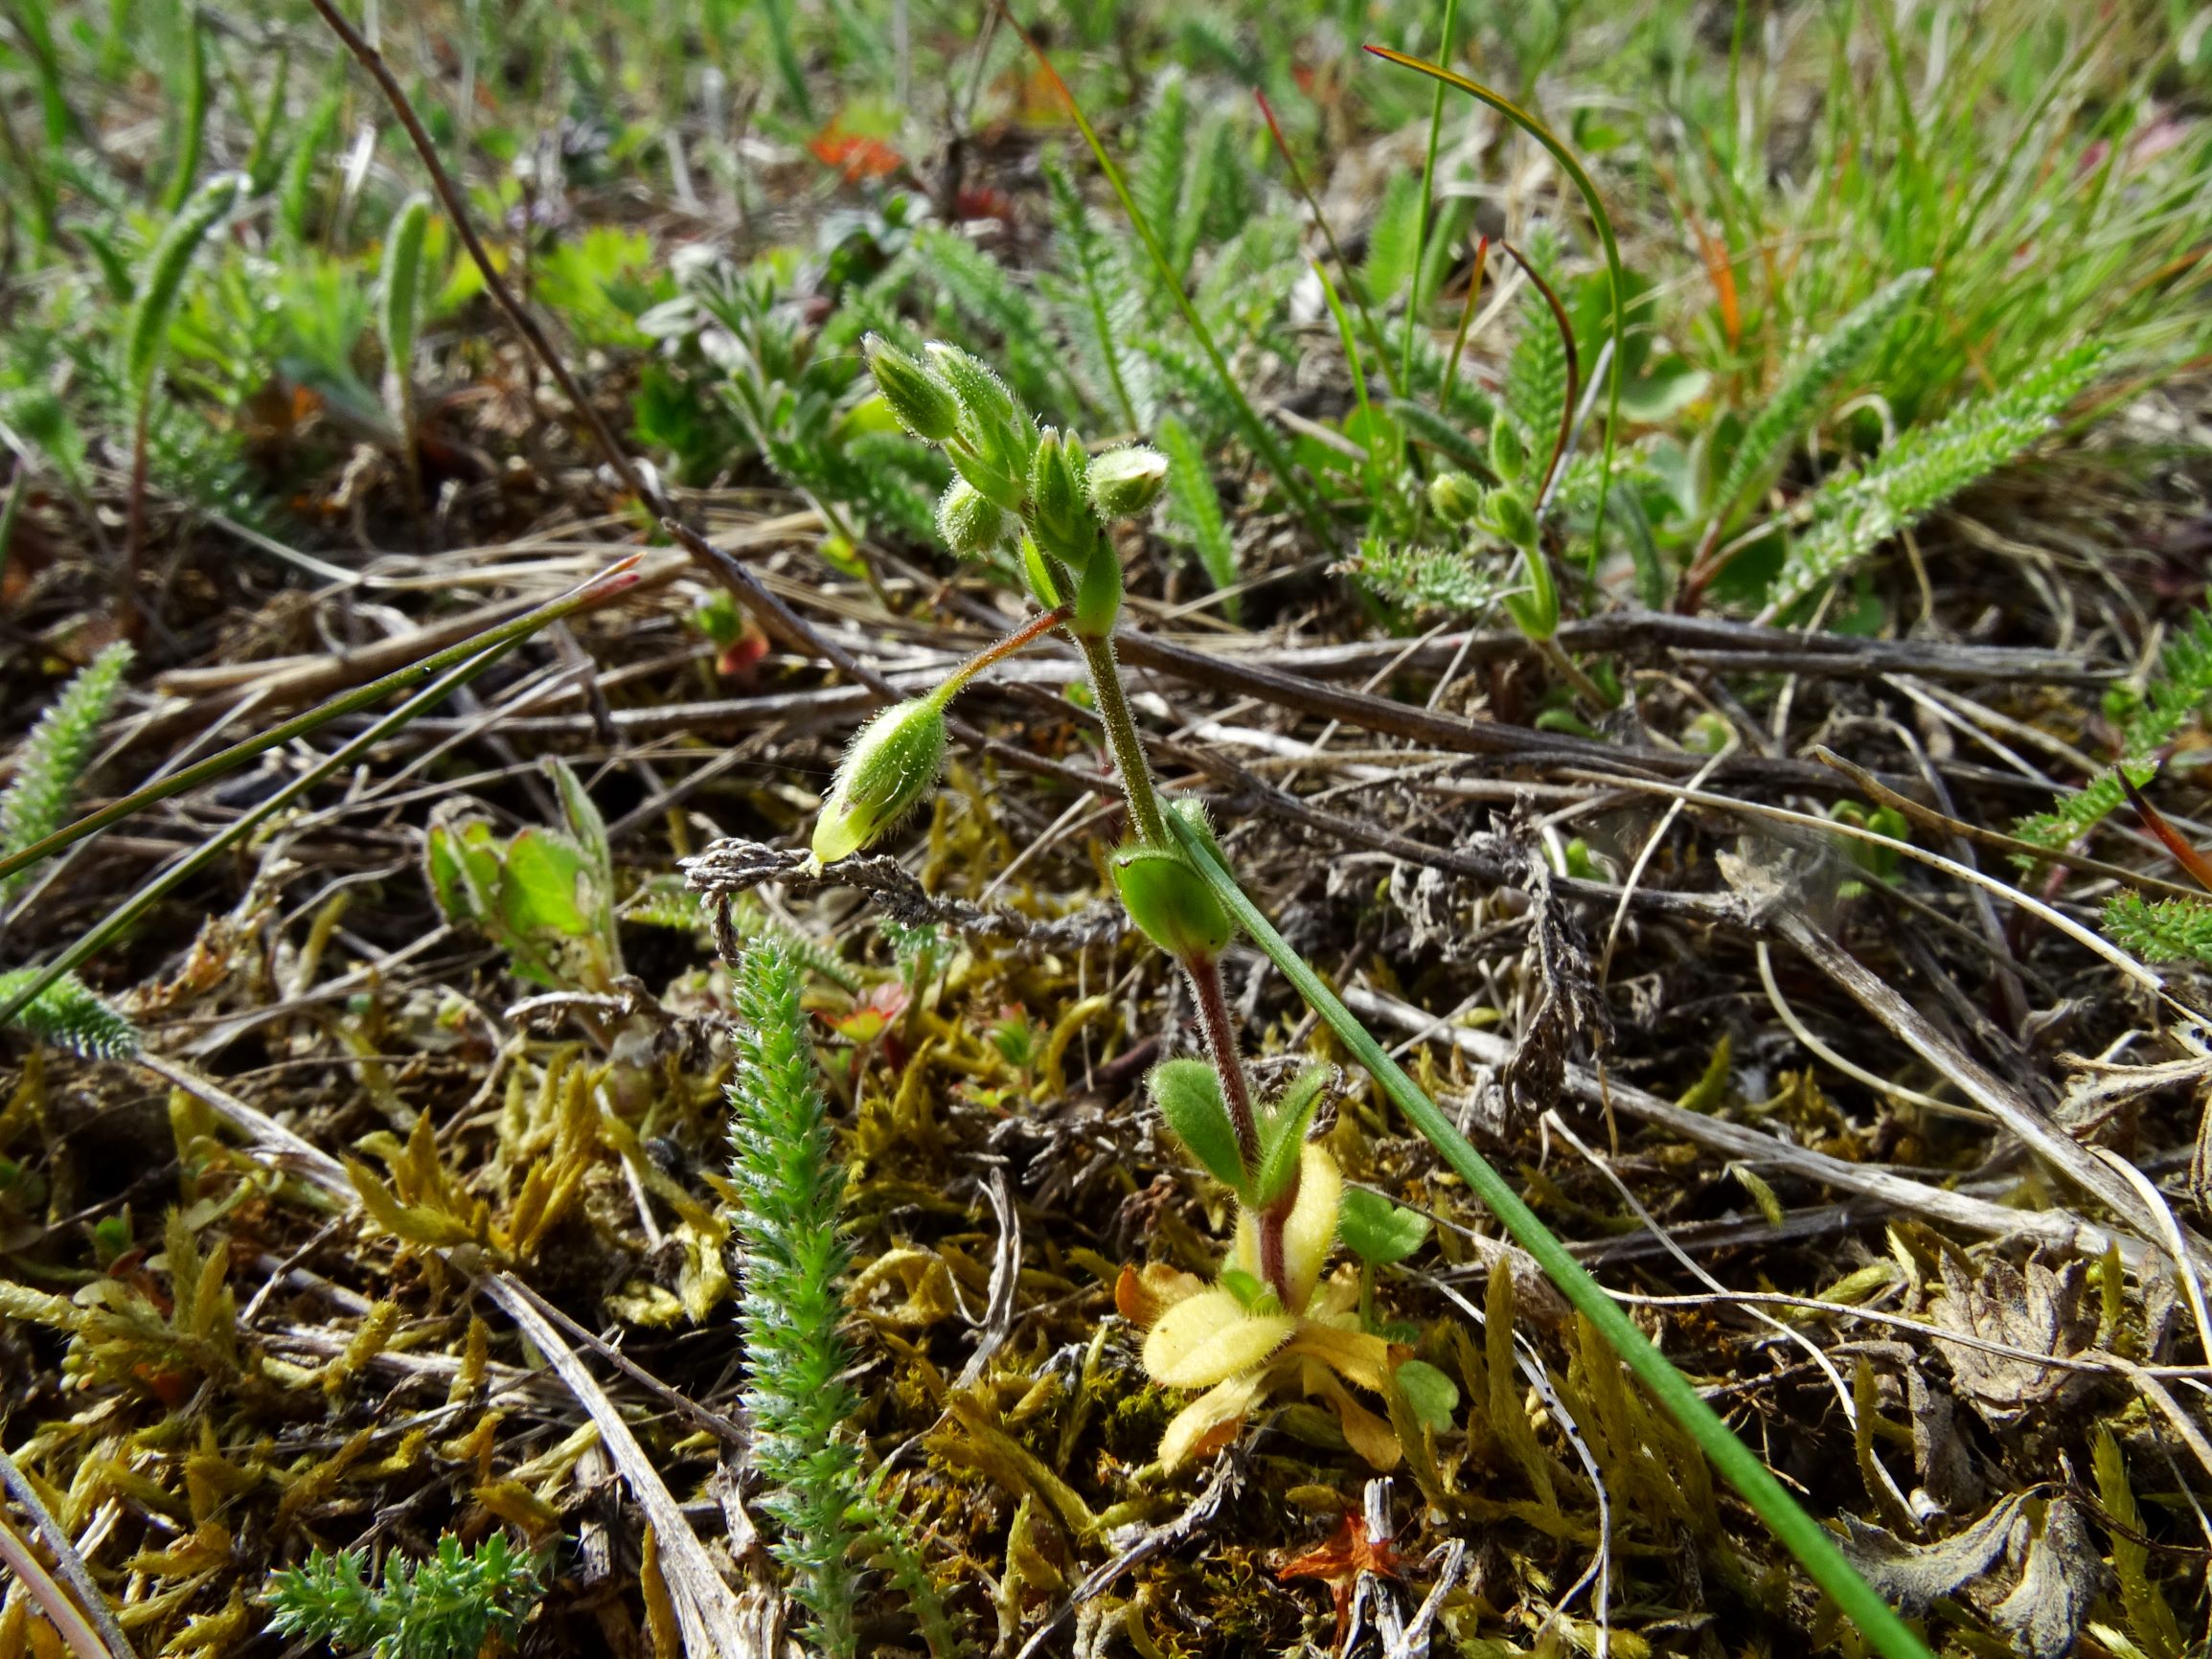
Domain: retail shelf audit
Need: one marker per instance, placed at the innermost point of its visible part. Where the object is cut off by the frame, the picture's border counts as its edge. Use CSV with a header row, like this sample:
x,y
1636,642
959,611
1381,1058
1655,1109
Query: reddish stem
x,y
1029,631
1205,977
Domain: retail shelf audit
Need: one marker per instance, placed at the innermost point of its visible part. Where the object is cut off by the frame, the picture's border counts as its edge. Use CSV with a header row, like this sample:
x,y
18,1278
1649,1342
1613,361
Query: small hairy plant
x,y
70,1015
1858,510
54,756
1269,1319
789,1187
442,1608
545,894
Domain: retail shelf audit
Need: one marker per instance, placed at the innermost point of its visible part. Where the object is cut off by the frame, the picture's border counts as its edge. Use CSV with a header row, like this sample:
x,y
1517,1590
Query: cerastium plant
x,y
1269,1308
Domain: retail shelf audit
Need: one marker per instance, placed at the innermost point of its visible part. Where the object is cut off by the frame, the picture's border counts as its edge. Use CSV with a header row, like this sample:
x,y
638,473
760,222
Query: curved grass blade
x,y
1545,136
1813,1546
1428,191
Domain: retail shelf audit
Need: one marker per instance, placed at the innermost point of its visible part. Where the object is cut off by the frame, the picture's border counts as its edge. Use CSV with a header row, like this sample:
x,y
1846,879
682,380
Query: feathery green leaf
x,y
1192,505
789,1188
147,331
54,756
70,1015
1856,511
1827,363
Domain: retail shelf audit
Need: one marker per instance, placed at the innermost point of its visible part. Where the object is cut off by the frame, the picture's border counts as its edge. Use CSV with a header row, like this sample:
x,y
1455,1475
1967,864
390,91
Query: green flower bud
x,y
1456,497
1171,903
1125,482
1507,515
891,766
1508,451
989,417
1059,505
923,403
1042,583
971,523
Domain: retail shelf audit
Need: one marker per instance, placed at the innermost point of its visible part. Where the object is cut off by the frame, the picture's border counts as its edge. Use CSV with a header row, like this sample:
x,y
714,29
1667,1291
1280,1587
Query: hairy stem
x,y
1028,634
1204,971
1205,976
1121,728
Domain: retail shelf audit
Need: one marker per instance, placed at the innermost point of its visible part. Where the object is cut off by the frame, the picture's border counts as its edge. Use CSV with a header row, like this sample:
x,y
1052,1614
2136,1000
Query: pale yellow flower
x,y
1205,1337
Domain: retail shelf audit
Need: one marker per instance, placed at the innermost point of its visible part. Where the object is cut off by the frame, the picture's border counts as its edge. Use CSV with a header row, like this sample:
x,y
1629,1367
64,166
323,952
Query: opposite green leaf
x,y
1189,1097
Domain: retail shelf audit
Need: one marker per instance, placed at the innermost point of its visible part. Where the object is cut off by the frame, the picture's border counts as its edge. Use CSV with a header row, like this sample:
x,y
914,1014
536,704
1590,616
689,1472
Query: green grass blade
x,y
1427,191
1813,1546
600,587
192,119
1545,136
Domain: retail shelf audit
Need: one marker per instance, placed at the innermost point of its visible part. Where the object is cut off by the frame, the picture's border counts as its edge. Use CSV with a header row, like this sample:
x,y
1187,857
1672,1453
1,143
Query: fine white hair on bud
x,y
893,762
1125,482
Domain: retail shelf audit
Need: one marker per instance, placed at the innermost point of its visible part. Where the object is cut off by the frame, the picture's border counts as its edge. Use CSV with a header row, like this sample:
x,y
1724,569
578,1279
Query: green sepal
x,y
986,474
1188,1094
1170,902
1044,585
922,400
991,421
1098,593
1059,502
1377,1231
